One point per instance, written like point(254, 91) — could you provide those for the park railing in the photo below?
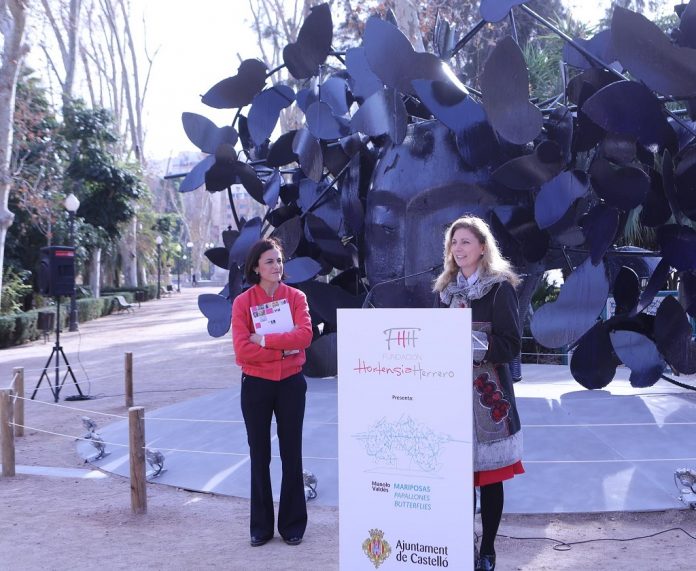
point(12, 424)
point(138, 453)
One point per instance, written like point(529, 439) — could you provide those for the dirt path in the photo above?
point(57, 523)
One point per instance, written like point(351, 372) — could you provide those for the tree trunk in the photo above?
point(95, 271)
point(198, 213)
point(127, 248)
point(13, 15)
point(406, 14)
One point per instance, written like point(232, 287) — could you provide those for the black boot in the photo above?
point(486, 563)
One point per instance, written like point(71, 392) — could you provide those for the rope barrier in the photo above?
point(559, 355)
point(102, 364)
point(209, 452)
point(182, 450)
point(616, 461)
point(82, 410)
point(50, 367)
point(66, 385)
point(213, 453)
point(227, 365)
point(195, 420)
point(305, 423)
point(112, 377)
point(318, 423)
point(601, 398)
point(609, 425)
point(173, 369)
point(84, 439)
point(117, 376)
point(90, 381)
point(50, 371)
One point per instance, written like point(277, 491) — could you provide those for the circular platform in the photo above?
point(585, 451)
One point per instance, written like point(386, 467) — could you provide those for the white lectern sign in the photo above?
point(404, 439)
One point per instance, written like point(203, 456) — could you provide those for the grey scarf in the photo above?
point(466, 292)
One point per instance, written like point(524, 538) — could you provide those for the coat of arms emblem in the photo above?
point(376, 547)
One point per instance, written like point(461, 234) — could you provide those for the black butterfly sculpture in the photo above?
point(395, 146)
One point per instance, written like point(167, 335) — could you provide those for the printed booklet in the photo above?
point(272, 317)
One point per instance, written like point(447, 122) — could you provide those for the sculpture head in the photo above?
point(556, 185)
point(418, 188)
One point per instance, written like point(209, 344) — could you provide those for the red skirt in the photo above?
point(485, 477)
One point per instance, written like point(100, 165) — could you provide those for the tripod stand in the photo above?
point(57, 352)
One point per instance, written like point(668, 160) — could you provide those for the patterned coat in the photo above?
point(498, 439)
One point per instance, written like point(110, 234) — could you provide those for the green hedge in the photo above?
point(151, 291)
point(21, 328)
point(18, 328)
point(91, 308)
point(7, 327)
point(26, 327)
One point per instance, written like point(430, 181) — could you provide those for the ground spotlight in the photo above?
point(89, 424)
point(94, 438)
point(685, 480)
point(310, 485)
point(156, 461)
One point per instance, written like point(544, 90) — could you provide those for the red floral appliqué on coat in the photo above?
point(491, 397)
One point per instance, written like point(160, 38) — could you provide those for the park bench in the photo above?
point(121, 304)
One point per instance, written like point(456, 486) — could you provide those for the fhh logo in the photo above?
point(402, 336)
point(376, 547)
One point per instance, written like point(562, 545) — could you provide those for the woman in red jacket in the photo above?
point(272, 383)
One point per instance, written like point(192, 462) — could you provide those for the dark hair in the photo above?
point(255, 252)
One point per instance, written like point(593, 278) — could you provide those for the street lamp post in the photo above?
point(189, 245)
point(178, 274)
point(158, 241)
point(71, 205)
point(209, 246)
point(177, 249)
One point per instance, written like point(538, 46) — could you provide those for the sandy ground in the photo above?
point(58, 523)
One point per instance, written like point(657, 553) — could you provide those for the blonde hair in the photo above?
point(492, 262)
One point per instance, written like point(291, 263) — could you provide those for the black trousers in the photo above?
point(261, 399)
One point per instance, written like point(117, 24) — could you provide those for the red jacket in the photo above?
point(268, 362)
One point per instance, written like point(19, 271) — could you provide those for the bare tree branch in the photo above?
point(56, 29)
point(52, 65)
point(135, 108)
point(88, 76)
